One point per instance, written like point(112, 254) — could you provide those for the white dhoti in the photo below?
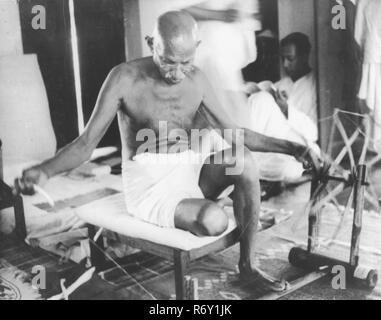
point(154, 184)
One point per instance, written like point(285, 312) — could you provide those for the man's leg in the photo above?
point(206, 217)
point(202, 217)
point(246, 198)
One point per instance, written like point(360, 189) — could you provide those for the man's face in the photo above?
point(174, 59)
point(293, 63)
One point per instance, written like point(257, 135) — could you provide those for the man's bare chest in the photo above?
point(176, 108)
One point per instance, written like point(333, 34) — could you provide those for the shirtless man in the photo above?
point(166, 87)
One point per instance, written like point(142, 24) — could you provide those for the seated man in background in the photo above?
point(287, 109)
point(166, 181)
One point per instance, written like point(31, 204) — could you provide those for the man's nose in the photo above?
point(179, 74)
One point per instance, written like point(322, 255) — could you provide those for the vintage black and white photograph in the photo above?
point(202, 150)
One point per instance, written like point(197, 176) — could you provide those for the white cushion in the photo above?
point(110, 213)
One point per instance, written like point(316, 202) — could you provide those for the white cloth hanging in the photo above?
point(368, 37)
point(25, 125)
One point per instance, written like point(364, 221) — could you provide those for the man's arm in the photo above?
point(203, 14)
point(254, 141)
point(80, 150)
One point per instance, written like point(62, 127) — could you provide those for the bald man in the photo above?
point(166, 182)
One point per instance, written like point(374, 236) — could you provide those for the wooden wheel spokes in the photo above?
point(340, 225)
point(343, 133)
point(370, 195)
point(344, 150)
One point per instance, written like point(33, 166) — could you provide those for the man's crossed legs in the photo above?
point(204, 217)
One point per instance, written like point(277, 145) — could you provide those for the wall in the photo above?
point(298, 16)
point(53, 49)
point(149, 11)
point(330, 45)
point(100, 33)
point(10, 30)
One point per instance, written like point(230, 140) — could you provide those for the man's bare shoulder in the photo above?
point(197, 73)
point(133, 70)
point(199, 78)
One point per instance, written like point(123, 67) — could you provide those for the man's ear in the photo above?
point(149, 42)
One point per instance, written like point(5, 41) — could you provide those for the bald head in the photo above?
point(176, 29)
point(174, 44)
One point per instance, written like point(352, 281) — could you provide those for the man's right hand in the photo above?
point(30, 177)
point(281, 98)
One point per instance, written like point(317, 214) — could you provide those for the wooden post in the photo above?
point(313, 226)
point(181, 261)
point(358, 204)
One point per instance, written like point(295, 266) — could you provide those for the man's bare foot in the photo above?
point(254, 275)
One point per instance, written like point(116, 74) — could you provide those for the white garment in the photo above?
point(302, 98)
point(268, 120)
point(154, 184)
point(230, 45)
point(224, 50)
point(25, 125)
point(368, 37)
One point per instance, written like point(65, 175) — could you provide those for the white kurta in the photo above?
point(368, 36)
point(302, 103)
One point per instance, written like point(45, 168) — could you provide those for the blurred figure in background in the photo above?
point(368, 37)
point(227, 34)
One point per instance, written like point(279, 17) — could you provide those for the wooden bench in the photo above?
point(178, 246)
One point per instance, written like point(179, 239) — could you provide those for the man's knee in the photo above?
point(260, 99)
point(212, 219)
point(263, 105)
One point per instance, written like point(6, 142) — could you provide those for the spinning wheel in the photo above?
point(331, 184)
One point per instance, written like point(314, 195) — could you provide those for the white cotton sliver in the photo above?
point(45, 194)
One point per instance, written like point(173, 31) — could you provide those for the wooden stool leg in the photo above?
point(181, 261)
point(98, 260)
point(20, 226)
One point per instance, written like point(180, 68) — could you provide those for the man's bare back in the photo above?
point(147, 99)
